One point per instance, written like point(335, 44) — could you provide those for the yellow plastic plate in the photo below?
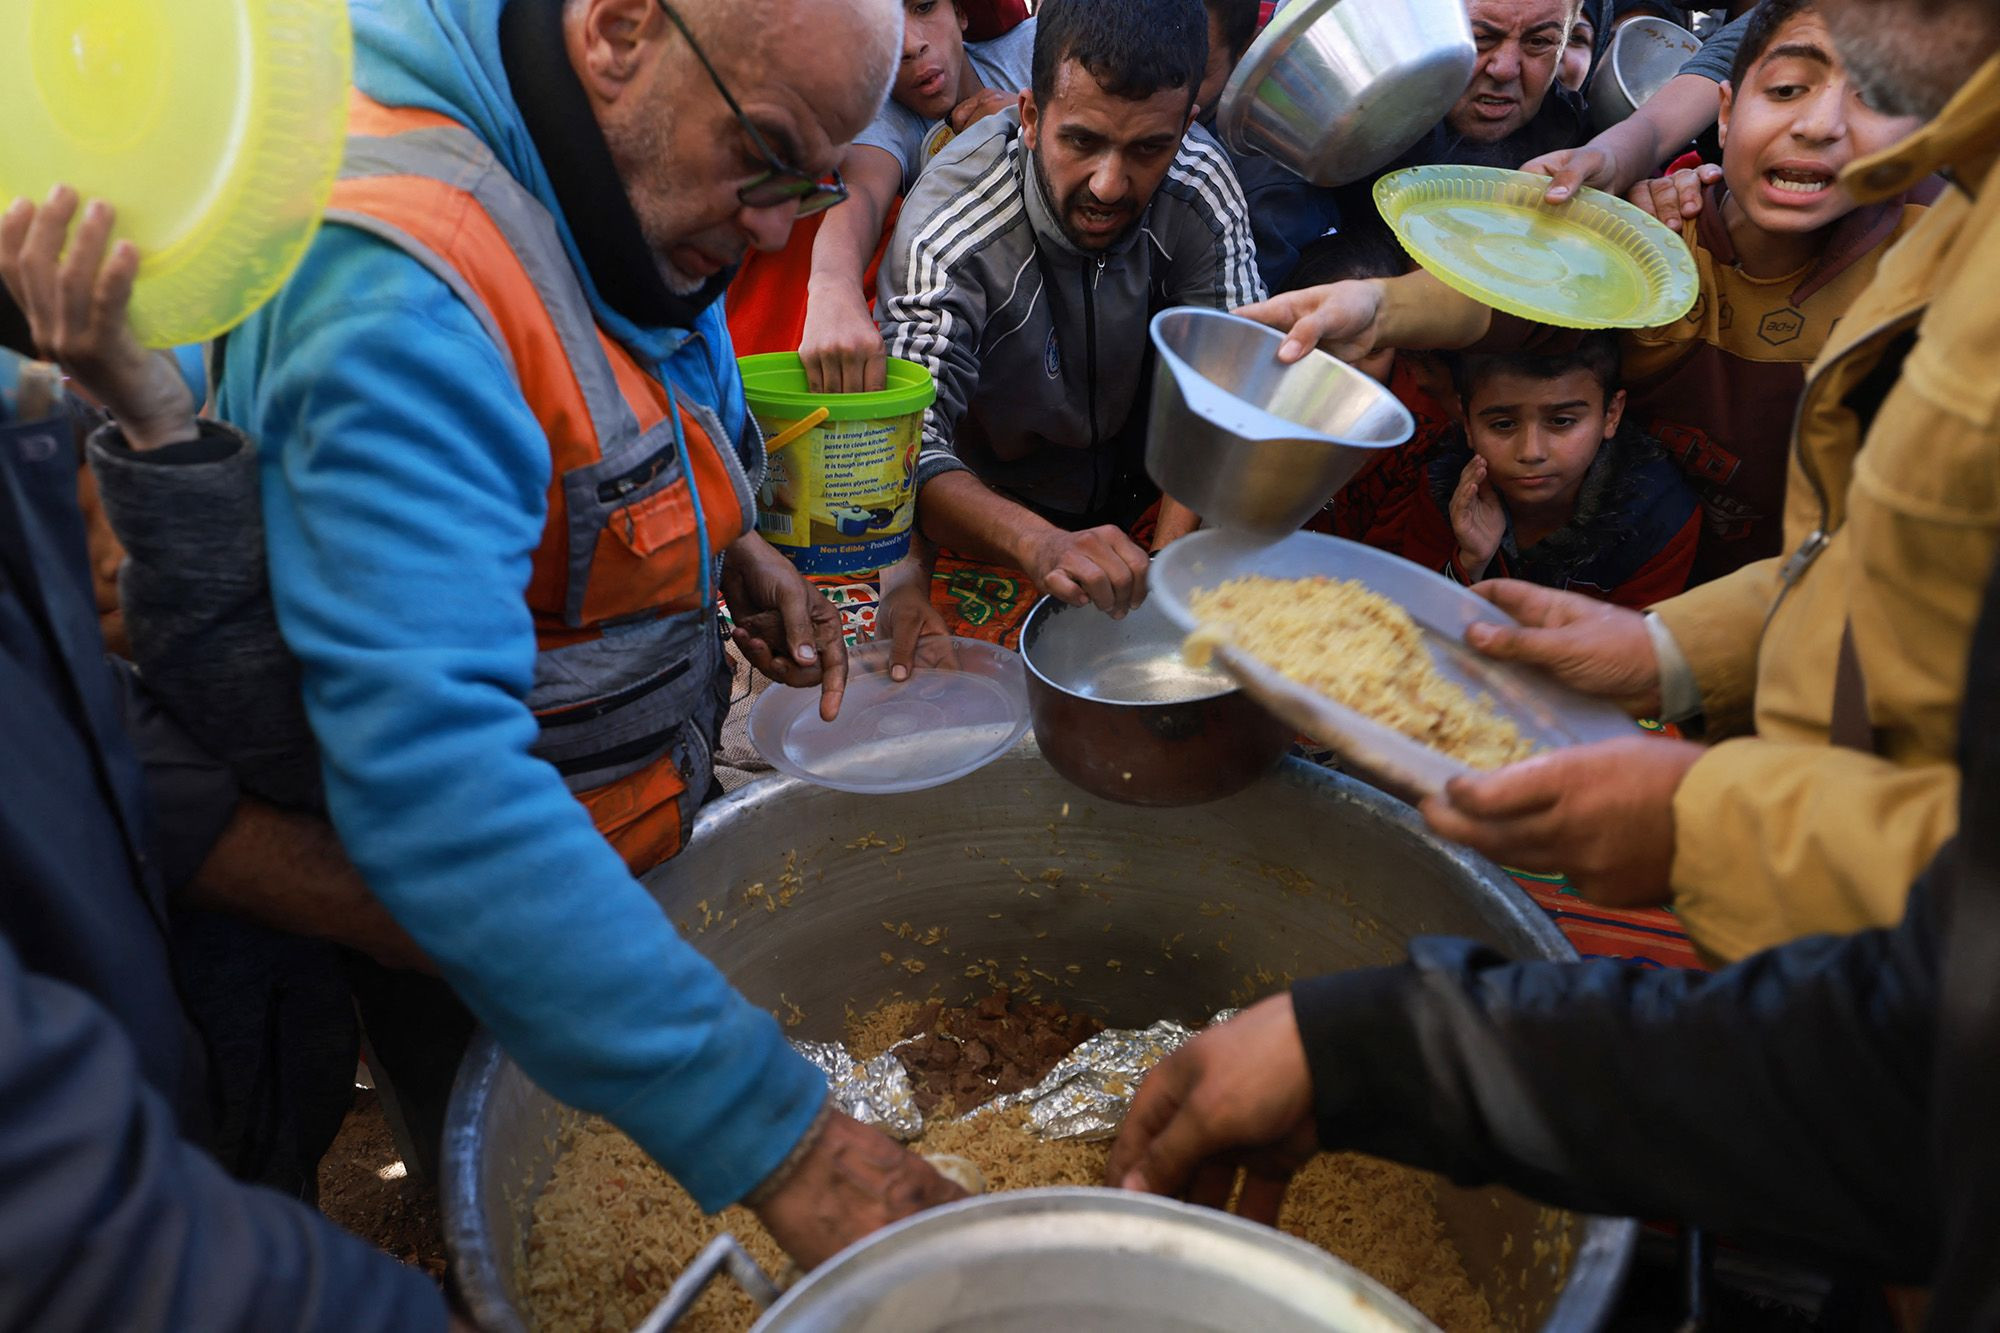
point(214, 126)
point(1595, 262)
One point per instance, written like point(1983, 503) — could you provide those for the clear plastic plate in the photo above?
point(964, 705)
point(1550, 714)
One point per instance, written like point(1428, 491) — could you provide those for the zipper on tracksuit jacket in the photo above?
point(1090, 280)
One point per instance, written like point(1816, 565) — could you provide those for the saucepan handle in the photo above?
point(721, 1255)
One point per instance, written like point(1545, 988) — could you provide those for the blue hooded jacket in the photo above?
point(404, 485)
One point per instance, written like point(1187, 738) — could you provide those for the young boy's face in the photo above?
point(1793, 125)
point(1538, 436)
point(933, 52)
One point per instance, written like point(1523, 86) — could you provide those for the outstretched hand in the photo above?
point(1588, 645)
point(1572, 170)
point(75, 292)
point(785, 627)
point(853, 1180)
point(1339, 317)
point(1237, 1096)
point(1601, 814)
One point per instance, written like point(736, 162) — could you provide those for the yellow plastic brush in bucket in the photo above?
point(840, 491)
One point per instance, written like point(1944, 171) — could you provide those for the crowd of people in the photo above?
point(361, 661)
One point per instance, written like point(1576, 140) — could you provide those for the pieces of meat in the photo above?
point(970, 1054)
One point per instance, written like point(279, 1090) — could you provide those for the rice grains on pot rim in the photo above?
point(1361, 650)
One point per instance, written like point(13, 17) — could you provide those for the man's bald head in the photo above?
point(788, 39)
point(681, 152)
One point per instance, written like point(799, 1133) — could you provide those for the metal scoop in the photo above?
point(1248, 442)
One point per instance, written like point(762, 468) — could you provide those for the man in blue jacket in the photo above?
point(111, 1216)
point(625, 152)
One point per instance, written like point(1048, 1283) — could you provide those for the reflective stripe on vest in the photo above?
point(645, 490)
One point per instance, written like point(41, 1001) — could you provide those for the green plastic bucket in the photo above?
point(840, 491)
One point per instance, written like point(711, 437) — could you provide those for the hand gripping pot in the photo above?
point(1248, 442)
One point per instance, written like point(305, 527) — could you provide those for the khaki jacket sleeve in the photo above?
point(1778, 840)
point(1718, 627)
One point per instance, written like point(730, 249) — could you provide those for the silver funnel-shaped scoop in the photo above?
point(1248, 442)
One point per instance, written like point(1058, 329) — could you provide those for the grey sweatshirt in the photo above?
point(1038, 347)
point(204, 630)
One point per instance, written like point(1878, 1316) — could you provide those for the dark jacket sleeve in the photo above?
point(1782, 1101)
point(1286, 215)
point(109, 1220)
point(197, 603)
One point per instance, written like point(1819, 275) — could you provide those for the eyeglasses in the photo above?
point(780, 181)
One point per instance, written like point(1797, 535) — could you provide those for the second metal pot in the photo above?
point(1120, 713)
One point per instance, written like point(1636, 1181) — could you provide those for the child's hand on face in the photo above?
point(1478, 518)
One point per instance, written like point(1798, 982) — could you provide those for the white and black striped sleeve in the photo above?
point(932, 296)
point(1221, 271)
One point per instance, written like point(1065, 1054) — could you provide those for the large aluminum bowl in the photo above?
point(1248, 442)
point(1334, 89)
point(1201, 908)
point(1644, 54)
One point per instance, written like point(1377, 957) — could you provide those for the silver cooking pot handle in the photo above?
point(723, 1254)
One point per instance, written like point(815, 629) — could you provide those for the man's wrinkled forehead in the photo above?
point(1519, 18)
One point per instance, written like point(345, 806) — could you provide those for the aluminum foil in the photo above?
point(1085, 1096)
point(1088, 1092)
point(875, 1092)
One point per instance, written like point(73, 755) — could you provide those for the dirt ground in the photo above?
point(363, 1188)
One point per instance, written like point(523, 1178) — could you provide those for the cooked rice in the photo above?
point(611, 1229)
point(1361, 650)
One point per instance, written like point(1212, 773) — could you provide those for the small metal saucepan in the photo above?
point(1120, 713)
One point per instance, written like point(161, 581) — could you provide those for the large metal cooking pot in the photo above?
point(1248, 442)
point(1118, 710)
point(1333, 89)
point(1199, 908)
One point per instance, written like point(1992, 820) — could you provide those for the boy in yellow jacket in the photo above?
point(1844, 659)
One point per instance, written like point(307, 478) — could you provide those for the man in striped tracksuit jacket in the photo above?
point(1029, 258)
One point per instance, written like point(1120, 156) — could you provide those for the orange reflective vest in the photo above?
point(645, 491)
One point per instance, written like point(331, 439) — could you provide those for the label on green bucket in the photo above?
point(840, 498)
